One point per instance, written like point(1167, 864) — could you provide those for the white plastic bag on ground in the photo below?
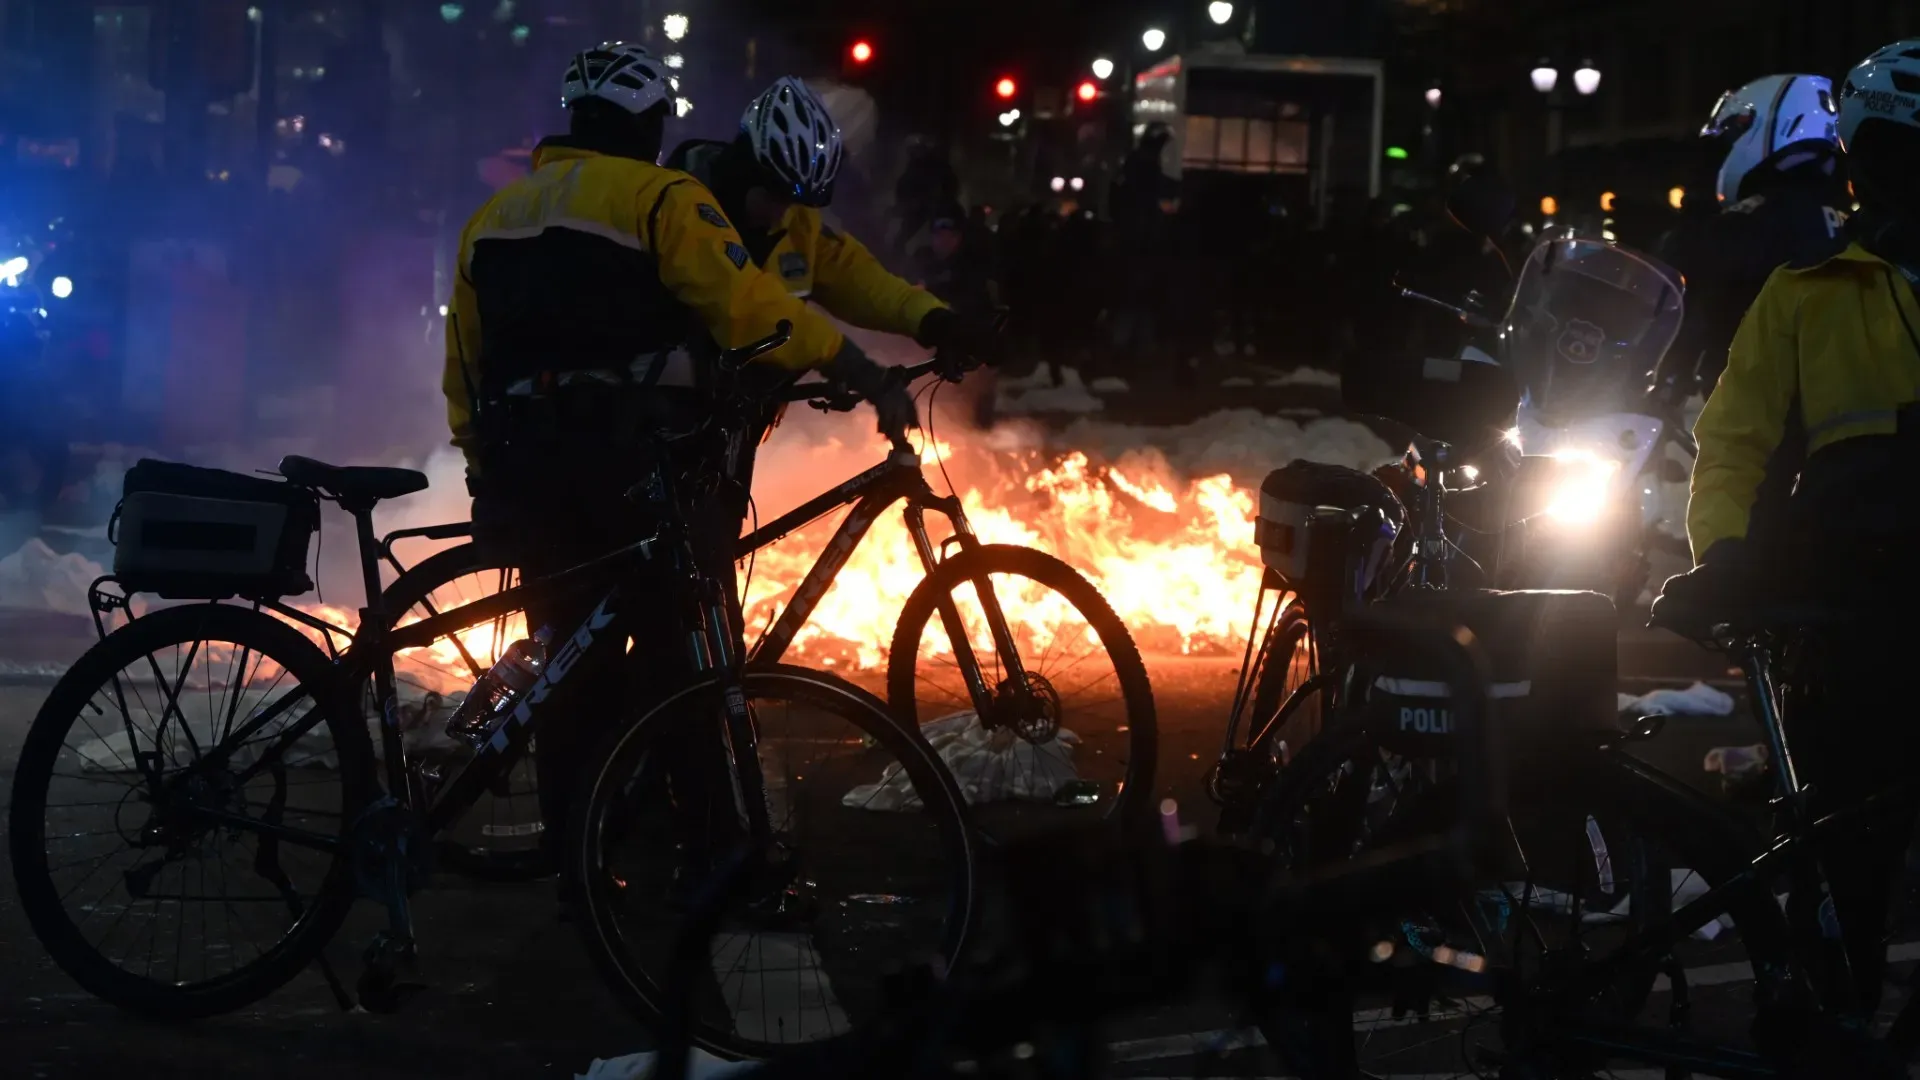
point(988, 766)
point(1696, 700)
point(701, 1066)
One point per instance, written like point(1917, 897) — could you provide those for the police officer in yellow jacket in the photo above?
point(591, 298)
point(1822, 379)
point(772, 188)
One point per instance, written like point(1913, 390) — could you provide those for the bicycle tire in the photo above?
point(416, 584)
point(1271, 685)
point(1136, 796)
point(39, 898)
point(640, 991)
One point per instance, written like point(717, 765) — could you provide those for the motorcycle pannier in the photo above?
point(1290, 500)
point(188, 533)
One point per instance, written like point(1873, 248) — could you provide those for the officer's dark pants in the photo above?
point(558, 515)
point(1854, 733)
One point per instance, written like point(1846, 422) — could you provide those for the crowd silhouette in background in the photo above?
point(1194, 280)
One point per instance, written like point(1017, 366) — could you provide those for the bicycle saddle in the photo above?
point(352, 482)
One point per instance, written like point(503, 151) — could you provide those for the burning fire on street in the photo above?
point(1173, 554)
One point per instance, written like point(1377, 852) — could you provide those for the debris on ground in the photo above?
point(700, 1066)
point(989, 766)
point(1696, 700)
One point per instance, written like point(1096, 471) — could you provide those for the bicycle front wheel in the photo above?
point(873, 865)
point(1047, 727)
point(181, 811)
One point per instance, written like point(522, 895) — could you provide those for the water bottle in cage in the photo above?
point(492, 699)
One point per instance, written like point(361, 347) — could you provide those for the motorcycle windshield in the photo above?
point(1589, 321)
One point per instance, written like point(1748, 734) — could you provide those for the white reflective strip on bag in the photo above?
point(1427, 688)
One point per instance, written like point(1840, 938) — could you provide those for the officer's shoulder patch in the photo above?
point(711, 216)
point(737, 255)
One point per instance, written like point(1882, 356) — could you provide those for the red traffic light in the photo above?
point(1006, 87)
point(1086, 91)
point(861, 52)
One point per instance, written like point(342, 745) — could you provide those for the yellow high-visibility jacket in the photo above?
point(1839, 339)
point(594, 259)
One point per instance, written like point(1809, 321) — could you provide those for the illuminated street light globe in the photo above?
point(1103, 68)
point(675, 26)
point(1545, 77)
point(1154, 39)
point(1219, 11)
point(1586, 79)
point(1433, 97)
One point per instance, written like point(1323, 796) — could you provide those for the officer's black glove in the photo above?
point(965, 336)
point(1691, 603)
point(892, 403)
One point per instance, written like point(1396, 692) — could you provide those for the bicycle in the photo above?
point(1061, 695)
point(367, 831)
point(1102, 923)
point(1330, 751)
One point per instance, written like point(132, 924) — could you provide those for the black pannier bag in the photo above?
point(1327, 530)
point(1553, 664)
point(188, 533)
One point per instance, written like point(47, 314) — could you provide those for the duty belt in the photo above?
point(670, 368)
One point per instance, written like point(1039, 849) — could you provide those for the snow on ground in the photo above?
point(1307, 376)
point(1036, 393)
point(1244, 443)
point(36, 579)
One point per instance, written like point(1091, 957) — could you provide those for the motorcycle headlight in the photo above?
point(1582, 488)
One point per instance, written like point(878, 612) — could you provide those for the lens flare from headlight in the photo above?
point(1581, 493)
point(1511, 437)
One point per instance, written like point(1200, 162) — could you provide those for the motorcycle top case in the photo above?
point(188, 533)
point(1553, 666)
point(1293, 529)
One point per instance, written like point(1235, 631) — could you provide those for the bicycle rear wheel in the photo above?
point(876, 864)
point(500, 837)
point(1077, 740)
point(164, 875)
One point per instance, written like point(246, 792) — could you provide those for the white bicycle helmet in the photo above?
point(1880, 125)
point(795, 141)
point(627, 75)
point(1764, 118)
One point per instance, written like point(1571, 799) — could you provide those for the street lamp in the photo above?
point(1009, 118)
point(1433, 97)
point(1102, 68)
point(1586, 78)
point(1545, 77)
point(1154, 39)
point(675, 26)
point(1219, 11)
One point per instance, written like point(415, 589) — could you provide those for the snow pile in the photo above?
point(37, 579)
point(1696, 700)
point(1036, 393)
point(1307, 376)
point(989, 766)
point(1244, 443)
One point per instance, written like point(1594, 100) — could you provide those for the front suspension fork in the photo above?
point(1013, 670)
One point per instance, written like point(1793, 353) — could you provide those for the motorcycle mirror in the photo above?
point(1482, 204)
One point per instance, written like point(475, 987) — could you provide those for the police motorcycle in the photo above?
point(1584, 490)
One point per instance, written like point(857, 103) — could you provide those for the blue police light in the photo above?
point(62, 287)
point(11, 270)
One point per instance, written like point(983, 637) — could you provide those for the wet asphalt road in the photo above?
point(509, 991)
